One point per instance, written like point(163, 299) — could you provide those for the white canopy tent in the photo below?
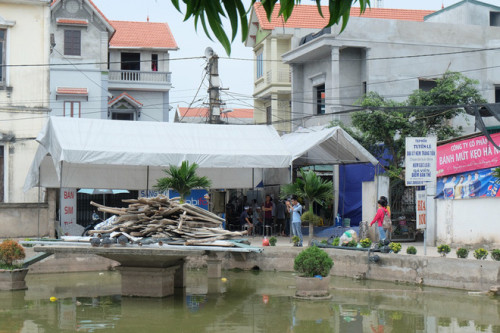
point(131, 155)
point(319, 145)
point(95, 153)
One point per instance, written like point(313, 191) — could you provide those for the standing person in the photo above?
point(379, 218)
point(267, 208)
point(295, 210)
point(386, 203)
point(280, 216)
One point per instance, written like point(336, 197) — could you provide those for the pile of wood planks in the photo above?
point(161, 217)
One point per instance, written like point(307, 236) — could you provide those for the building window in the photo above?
point(2, 56)
point(122, 115)
point(497, 94)
point(72, 42)
point(320, 99)
point(495, 19)
point(426, 84)
point(72, 109)
point(269, 115)
point(130, 61)
point(260, 65)
point(154, 62)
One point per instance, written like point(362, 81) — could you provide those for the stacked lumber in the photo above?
point(164, 218)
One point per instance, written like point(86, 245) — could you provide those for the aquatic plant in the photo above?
point(313, 261)
point(480, 254)
point(395, 247)
point(443, 249)
point(10, 251)
point(411, 250)
point(495, 254)
point(365, 243)
point(272, 241)
point(462, 252)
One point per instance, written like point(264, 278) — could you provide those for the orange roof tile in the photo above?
point(72, 21)
point(142, 34)
point(71, 91)
point(307, 16)
point(122, 95)
point(202, 112)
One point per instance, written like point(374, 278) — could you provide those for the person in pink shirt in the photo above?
point(379, 218)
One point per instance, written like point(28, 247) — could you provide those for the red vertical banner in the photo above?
point(421, 209)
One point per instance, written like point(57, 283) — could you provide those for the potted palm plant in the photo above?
point(313, 189)
point(313, 265)
point(182, 179)
point(12, 274)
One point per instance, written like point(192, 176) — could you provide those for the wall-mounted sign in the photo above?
point(420, 161)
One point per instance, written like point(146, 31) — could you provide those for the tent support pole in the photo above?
point(38, 204)
point(60, 198)
point(253, 176)
point(147, 181)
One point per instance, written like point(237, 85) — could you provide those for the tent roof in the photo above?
point(318, 145)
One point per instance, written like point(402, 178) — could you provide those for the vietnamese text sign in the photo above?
point(68, 209)
point(420, 158)
point(467, 155)
point(421, 209)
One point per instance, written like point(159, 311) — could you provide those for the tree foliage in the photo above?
point(310, 187)
point(211, 13)
point(385, 123)
point(182, 179)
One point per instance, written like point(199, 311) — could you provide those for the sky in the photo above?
point(236, 71)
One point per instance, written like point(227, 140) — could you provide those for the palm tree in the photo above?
point(182, 179)
point(312, 188)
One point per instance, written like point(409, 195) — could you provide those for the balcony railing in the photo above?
point(281, 76)
point(138, 76)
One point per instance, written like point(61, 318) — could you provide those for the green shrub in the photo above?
point(336, 241)
point(495, 254)
point(272, 241)
point(351, 243)
point(313, 261)
point(295, 240)
point(310, 217)
point(395, 247)
point(480, 254)
point(365, 243)
point(324, 241)
point(462, 252)
point(411, 250)
point(443, 249)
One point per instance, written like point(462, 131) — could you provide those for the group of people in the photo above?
point(256, 217)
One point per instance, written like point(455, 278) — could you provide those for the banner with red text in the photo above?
point(467, 155)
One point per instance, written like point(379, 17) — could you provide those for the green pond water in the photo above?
point(245, 302)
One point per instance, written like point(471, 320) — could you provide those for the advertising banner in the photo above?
point(420, 161)
point(466, 185)
point(467, 155)
point(68, 211)
point(197, 198)
point(421, 209)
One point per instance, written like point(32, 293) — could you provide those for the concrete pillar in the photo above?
point(214, 267)
point(180, 274)
point(335, 83)
point(147, 281)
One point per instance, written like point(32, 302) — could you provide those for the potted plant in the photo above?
point(312, 188)
point(480, 254)
point(462, 252)
point(411, 250)
point(443, 249)
point(365, 243)
point(272, 241)
point(395, 247)
point(495, 254)
point(12, 274)
point(313, 265)
point(336, 241)
point(295, 240)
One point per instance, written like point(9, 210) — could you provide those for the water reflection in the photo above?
point(245, 302)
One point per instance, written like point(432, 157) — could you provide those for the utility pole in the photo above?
point(213, 86)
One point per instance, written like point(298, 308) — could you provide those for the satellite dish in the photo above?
point(209, 52)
